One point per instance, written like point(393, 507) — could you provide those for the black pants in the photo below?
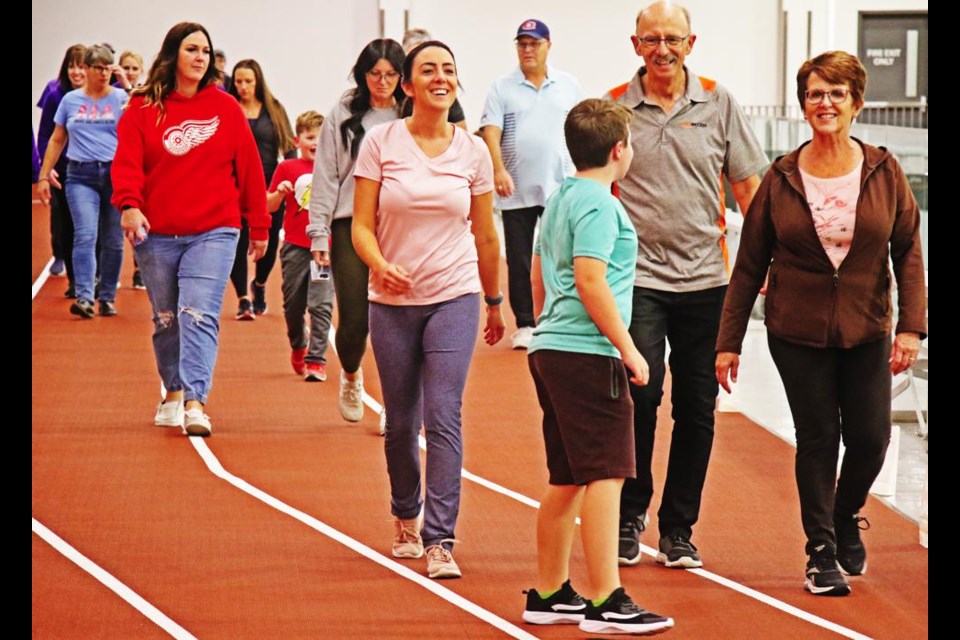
point(518, 228)
point(834, 394)
point(350, 278)
point(61, 229)
point(238, 275)
point(690, 321)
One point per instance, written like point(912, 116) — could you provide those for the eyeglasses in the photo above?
point(672, 41)
point(836, 95)
point(377, 76)
point(99, 68)
point(533, 45)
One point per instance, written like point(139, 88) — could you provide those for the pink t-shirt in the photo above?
point(833, 202)
point(423, 219)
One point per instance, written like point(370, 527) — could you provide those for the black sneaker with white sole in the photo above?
point(628, 553)
point(619, 614)
point(851, 554)
point(823, 577)
point(566, 606)
point(677, 552)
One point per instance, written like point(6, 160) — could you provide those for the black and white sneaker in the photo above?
point(619, 614)
point(851, 554)
point(677, 552)
point(823, 577)
point(630, 530)
point(566, 606)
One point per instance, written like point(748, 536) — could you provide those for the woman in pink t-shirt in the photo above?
point(423, 223)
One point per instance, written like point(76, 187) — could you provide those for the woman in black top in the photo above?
point(271, 129)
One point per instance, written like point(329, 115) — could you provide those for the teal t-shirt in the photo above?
point(582, 219)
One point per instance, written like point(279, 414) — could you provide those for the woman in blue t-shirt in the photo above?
point(87, 117)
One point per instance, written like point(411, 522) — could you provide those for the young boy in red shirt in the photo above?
point(304, 290)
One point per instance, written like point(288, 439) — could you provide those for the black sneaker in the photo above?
point(619, 614)
point(677, 552)
point(82, 308)
point(630, 530)
point(823, 577)
point(107, 308)
point(851, 554)
point(138, 280)
point(245, 310)
point(566, 606)
point(71, 292)
point(259, 297)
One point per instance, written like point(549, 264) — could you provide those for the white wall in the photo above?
point(835, 25)
point(306, 47)
point(737, 42)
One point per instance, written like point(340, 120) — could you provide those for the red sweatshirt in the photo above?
point(196, 170)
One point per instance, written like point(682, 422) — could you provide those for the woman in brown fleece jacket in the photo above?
point(827, 221)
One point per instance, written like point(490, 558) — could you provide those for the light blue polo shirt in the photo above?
point(532, 146)
point(582, 219)
point(91, 124)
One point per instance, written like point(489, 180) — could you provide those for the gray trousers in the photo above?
point(301, 295)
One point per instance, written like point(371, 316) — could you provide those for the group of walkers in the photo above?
point(389, 210)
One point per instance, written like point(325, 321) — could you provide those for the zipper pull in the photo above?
point(836, 279)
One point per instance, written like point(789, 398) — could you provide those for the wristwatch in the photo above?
point(493, 301)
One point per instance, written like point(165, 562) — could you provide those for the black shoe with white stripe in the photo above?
point(823, 577)
point(566, 606)
point(619, 614)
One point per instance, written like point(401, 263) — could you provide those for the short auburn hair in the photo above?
point(836, 67)
point(593, 127)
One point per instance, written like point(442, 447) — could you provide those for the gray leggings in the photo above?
point(350, 277)
point(423, 354)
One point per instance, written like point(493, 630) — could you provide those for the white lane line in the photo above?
point(122, 590)
point(747, 591)
point(41, 279)
point(213, 464)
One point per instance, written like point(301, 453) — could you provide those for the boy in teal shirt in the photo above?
point(582, 277)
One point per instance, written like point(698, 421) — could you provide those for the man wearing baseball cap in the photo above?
point(522, 124)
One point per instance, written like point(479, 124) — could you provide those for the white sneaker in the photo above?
point(521, 338)
point(351, 397)
point(196, 423)
point(169, 414)
point(383, 422)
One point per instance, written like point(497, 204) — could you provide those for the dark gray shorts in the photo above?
point(587, 416)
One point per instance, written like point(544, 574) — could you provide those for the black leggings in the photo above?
point(238, 275)
point(350, 279)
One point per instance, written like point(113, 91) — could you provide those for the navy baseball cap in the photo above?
point(534, 29)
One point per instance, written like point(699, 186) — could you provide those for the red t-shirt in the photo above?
point(295, 219)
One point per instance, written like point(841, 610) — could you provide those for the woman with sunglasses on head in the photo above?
point(374, 100)
point(187, 171)
point(827, 221)
point(271, 129)
point(423, 224)
point(87, 118)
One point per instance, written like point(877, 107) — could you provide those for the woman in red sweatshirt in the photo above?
point(185, 173)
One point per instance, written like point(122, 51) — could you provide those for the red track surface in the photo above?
point(140, 502)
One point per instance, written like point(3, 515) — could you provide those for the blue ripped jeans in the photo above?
point(185, 278)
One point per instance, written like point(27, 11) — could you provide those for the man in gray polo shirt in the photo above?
point(522, 125)
point(687, 133)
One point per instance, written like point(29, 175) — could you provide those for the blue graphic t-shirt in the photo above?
point(91, 124)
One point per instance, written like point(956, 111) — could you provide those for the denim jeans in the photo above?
point(690, 321)
point(185, 278)
point(423, 354)
point(89, 189)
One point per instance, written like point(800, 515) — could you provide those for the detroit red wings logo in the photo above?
point(180, 139)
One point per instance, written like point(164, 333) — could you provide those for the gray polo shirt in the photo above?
point(673, 190)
